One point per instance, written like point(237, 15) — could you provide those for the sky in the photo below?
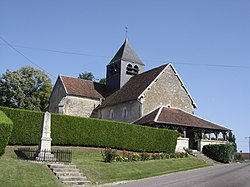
point(208, 43)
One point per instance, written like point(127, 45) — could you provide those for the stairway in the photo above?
point(69, 174)
point(203, 157)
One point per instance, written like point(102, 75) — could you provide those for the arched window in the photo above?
point(136, 69)
point(111, 114)
point(129, 69)
point(124, 112)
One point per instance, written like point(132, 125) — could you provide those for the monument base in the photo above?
point(45, 156)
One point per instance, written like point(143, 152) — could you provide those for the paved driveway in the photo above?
point(227, 175)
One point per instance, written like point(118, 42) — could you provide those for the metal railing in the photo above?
point(44, 155)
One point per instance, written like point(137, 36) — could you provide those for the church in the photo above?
point(156, 98)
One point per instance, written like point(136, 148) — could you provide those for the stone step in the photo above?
point(72, 178)
point(203, 157)
point(71, 173)
point(53, 166)
point(65, 170)
point(77, 183)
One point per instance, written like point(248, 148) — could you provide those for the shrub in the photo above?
point(145, 156)
point(6, 126)
point(109, 155)
point(219, 152)
point(26, 126)
point(70, 130)
point(238, 157)
point(78, 131)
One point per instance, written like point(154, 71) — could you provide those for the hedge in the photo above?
point(69, 130)
point(26, 126)
point(78, 131)
point(219, 152)
point(6, 126)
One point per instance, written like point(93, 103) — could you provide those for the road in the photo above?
point(227, 175)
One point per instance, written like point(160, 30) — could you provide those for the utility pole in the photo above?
point(248, 147)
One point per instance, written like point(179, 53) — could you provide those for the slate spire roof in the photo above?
point(178, 117)
point(126, 53)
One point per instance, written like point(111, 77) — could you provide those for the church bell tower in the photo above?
point(124, 65)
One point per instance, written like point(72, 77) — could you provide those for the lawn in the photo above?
point(19, 173)
point(15, 172)
point(89, 160)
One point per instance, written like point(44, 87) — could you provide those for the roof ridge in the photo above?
point(158, 113)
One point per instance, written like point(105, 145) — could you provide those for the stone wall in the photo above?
point(203, 142)
point(77, 106)
point(167, 90)
point(132, 112)
point(57, 95)
point(182, 144)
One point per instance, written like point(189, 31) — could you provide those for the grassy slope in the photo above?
point(15, 172)
point(18, 173)
point(89, 160)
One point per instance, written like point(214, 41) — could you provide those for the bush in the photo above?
point(69, 130)
point(6, 126)
point(109, 155)
point(78, 131)
point(219, 152)
point(26, 126)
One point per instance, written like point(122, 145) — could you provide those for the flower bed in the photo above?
point(113, 155)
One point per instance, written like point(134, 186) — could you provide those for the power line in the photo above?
point(25, 56)
point(146, 60)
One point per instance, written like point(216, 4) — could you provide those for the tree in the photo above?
point(102, 81)
point(86, 76)
point(26, 88)
point(232, 140)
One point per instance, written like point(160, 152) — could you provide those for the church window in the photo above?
point(113, 69)
point(132, 70)
point(136, 69)
point(129, 69)
point(124, 112)
point(111, 115)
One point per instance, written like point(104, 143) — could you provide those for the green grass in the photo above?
point(20, 173)
point(15, 172)
point(90, 161)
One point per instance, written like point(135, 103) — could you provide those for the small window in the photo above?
point(124, 112)
point(113, 69)
point(111, 115)
point(136, 69)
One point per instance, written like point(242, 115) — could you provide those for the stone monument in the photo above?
point(44, 149)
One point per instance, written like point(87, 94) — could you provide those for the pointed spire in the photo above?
point(126, 53)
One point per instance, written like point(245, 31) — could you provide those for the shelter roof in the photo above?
point(171, 116)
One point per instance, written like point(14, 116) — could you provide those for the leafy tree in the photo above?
point(86, 76)
point(102, 81)
point(26, 88)
point(232, 139)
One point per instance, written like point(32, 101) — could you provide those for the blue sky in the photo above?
point(208, 42)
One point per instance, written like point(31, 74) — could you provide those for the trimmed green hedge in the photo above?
point(219, 152)
point(78, 131)
point(5, 130)
point(27, 126)
point(69, 130)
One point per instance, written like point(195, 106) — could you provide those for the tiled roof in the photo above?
point(83, 88)
point(126, 53)
point(165, 115)
point(133, 88)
